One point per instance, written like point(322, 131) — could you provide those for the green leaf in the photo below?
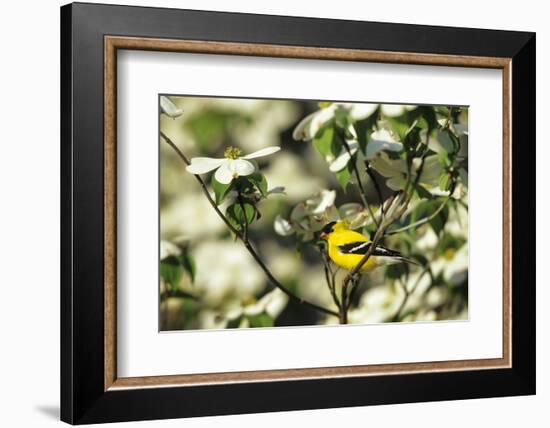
point(244, 214)
point(438, 222)
point(444, 182)
point(422, 193)
point(189, 265)
point(171, 271)
point(344, 176)
point(427, 208)
point(190, 310)
point(324, 140)
point(234, 323)
point(420, 258)
point(259, 181)
point(396, 271)
point(341, 118)
point(399, 127)
point(428, 117)
point(173, 267)
point(210, 127)
point(450, 242)
point(445, 140)
point(233, 221)
point(260, 320)
point(220, 190)
point(412, 137)
point(364, 129)
point(444, 159)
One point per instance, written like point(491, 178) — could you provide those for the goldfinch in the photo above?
point(346, 248)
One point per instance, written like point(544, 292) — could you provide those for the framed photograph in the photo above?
point(265, 213)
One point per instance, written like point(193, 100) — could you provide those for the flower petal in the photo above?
point(282, 226)
point(383, 135)
point(204, 165)
point(374, 146)
point(396, 183)
point(298, 213)
point(263, 152)
point(359, 111)
point(431, 170)
point(461, 129)
point(169, 108)
point(167, 248)
point(234, 168)
point(394, 110)
point(242, 167)
point(350, 209)
point(388, 167)
point(382, 140)
point(344, 157)
point(224, 174)
point(274, 302)
point(277, 190)
point(310, 125)
point(321, 202)
point(301, 132)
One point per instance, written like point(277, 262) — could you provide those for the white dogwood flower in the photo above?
point(397, 173)
point(345, 155)
point(312, 123)
point(382, 140)
point(168, 248)
point(310, 216)
point(232, 166)
point(169, 108)
point(394, 110)
point(272, 304)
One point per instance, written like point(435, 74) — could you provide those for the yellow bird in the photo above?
point(346, 248)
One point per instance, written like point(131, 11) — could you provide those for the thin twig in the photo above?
point(246, 242)
point(368, 169)
point(343, 317)
point(354, 287)
point(408, 293)
point(178, 293)
point(329, 277)
point(245, 223)
point(362, 193)
point(421, 221)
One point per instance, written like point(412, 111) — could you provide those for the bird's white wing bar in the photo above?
point(362, 247)
point(354, 248)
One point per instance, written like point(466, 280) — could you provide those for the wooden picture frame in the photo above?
point(91, 390)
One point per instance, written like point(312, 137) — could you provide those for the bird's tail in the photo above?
point(403, 259)
point(411, 261)
point(392, 256)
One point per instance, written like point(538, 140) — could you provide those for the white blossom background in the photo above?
point(230, 286)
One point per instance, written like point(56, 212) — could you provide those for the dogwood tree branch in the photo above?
point(422, 220)
point(362, 192)
point(245, 240)
point(330, 277)
point(368, 169)
point(408, 293)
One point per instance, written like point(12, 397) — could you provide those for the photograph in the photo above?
point(280, 213)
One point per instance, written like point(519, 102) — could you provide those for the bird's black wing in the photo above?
point(362, 248)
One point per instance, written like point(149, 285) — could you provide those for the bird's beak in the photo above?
point(323, 236)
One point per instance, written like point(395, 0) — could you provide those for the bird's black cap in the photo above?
point(327, 228)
